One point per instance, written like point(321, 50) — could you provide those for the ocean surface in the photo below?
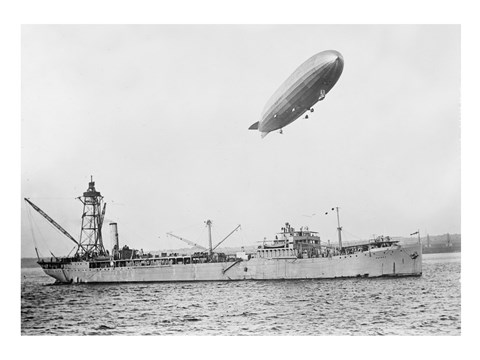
point(426, 305)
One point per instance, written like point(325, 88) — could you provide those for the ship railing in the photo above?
point(174, 259)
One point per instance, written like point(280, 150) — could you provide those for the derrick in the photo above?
point(51, 221)
point(211, 248)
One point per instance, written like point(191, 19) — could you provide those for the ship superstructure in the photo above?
point(292, 254)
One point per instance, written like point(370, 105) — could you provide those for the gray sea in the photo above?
point(426, 305)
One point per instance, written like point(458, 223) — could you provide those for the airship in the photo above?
point(308, 84)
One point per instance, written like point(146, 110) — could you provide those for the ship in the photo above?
point(293, 254)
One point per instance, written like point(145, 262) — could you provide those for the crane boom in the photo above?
point(226, 237)
point(102, 216)
point(53, 222)
point(100, 223)
point(188, 241)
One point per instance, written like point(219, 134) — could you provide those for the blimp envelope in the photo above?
point(308, 84)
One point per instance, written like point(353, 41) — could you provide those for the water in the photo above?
point(427, 305)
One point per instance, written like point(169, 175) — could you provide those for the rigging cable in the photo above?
point(30, 220)
point(39, 231)
point(353, 235)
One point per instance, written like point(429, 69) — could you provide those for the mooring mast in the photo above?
point(91, 243)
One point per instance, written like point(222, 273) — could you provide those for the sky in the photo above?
point(158, 115)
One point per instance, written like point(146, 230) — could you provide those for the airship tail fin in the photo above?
point(263, 134)
point(254, 126)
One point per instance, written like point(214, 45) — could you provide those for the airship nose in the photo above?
point(335, 60)
point(335, 57)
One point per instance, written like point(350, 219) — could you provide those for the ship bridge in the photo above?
point(292, 243)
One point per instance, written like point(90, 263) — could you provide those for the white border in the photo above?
point(207, 11)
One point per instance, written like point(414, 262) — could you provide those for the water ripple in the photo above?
point(427, 305)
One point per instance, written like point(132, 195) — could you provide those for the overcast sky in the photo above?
point(159, 116)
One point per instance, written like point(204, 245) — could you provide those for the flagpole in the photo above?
point(417, 233)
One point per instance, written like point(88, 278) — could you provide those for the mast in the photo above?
point(91, 243)
point(339, 228)
point(210, 249)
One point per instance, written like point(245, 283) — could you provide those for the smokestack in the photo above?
point(114, 237)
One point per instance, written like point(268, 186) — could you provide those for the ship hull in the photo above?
point(394, 261)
